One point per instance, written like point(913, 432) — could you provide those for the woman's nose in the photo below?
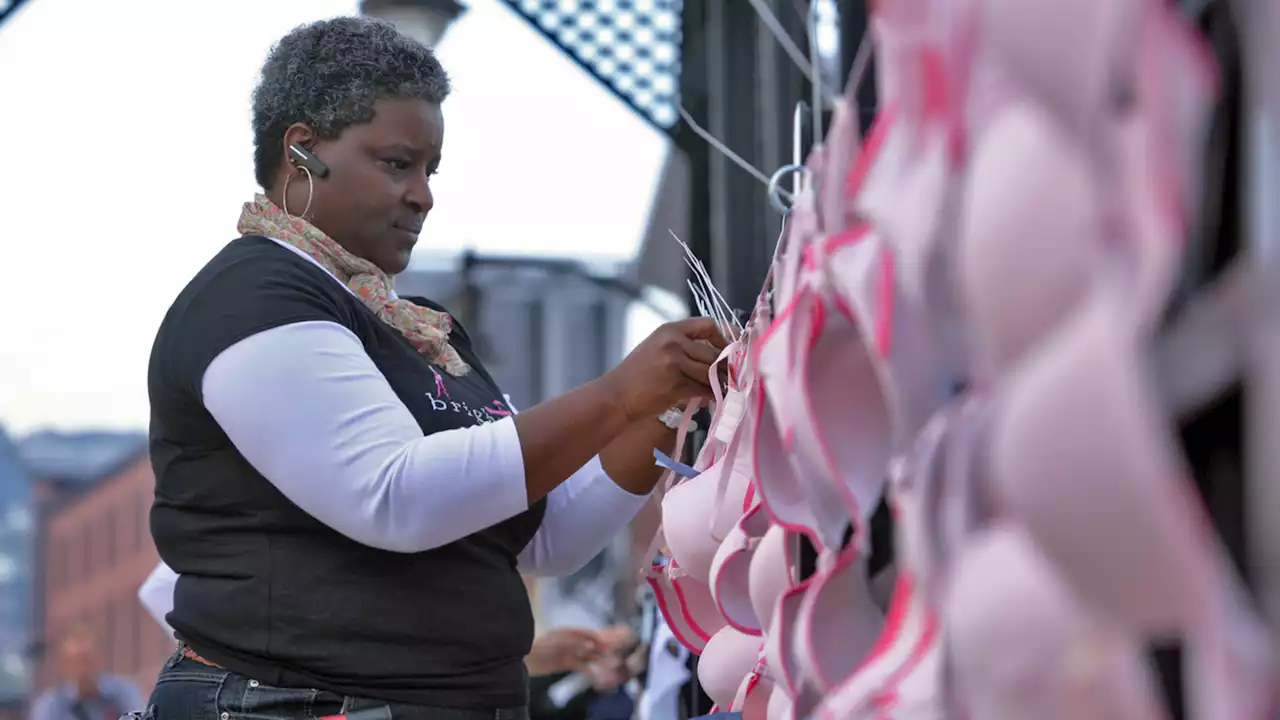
point(418, 194)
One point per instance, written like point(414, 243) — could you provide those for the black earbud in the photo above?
point(299, 155)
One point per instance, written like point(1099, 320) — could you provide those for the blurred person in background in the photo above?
point(346, 496)
point(596, 691)
point(84, 693)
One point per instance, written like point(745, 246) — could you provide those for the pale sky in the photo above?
point(125, 153)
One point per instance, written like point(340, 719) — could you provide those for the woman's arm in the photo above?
point(156, 594)
point(629, 458)
point(305, 405)
point(603, 496)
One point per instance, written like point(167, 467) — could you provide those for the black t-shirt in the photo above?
point(270, 592)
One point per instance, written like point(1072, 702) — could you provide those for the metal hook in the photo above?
point(775, 181)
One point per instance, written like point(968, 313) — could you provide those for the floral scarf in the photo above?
point(426, 329)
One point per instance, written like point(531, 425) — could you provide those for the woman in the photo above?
point(344, 492)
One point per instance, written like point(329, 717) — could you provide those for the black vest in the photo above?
point(268, 591)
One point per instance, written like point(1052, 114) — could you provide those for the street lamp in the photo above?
point(423, 20)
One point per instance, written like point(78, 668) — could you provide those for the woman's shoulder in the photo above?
point(257, 272)
point(258, 260)
point(250, 286)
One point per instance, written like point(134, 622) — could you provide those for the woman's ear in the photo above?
point(300, 134)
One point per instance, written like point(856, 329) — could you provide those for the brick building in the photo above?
point(93, 551)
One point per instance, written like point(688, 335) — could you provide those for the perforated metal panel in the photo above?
point(632, 46)
point(8, 8)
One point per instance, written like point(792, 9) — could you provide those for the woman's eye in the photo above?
point(396, 164)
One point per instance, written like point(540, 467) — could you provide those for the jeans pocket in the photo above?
point(252, 699)
point(186, 693)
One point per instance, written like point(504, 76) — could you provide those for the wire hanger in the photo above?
point(727, 152)
point(809, 67)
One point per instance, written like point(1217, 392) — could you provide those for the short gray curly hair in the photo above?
point(328, 74)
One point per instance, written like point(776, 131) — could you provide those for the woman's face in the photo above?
point(377, 194)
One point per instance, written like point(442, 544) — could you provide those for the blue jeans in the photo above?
point(189, 690)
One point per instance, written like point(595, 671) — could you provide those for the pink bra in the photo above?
point(698, 513)
point(1012, 220)
point(731, 568)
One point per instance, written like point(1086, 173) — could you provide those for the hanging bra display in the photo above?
point(1015, 220)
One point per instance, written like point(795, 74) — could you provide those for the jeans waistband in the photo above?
point(239, 695)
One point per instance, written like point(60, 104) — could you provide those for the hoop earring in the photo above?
point(310, 190)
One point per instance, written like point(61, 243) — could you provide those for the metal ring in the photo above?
point(776, 179)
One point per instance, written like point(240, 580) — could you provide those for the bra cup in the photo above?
point(728, 658)
point(840, 427)
point(904, 195)
point(941, 308)
point(1031, 37)
point(730, 571)
point(846, 416)
point(776, 483)
point(781, 656)
point(770, 572)
point(909, 637)
point(1020, 646)
point(842, 148)
point(734, 504)
point(839, 623)
point(672, 610)
point(888, 48)
point(868, 277)
point(780, 706)
point(1076, 442)
point(1030, 231)
point(914, 374)
point(699, 608)
point(917, 489)
point(685, 512)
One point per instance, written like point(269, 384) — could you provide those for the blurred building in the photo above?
point(93, 550)
point(16, 529)
point(542, 326)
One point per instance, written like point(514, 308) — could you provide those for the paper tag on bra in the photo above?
point(661, 459)
point(732, 409)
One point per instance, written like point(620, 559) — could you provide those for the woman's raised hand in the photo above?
point(669, 367)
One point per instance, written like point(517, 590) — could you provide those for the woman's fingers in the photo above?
point(700, 350)
point(701, 328)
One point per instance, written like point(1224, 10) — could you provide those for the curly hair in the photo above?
point(328, 74)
